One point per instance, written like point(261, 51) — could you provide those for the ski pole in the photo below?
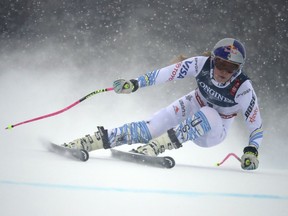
point(228, 156)
point(62, 110)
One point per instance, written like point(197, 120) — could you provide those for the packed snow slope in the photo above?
point(34, 181)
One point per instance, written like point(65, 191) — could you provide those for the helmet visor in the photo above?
point(222, 64)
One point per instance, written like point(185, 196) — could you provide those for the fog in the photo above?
point(54, 53)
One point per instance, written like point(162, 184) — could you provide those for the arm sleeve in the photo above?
point(189, 67)
point(248, 102)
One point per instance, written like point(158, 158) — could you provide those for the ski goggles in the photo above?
point(222, 64)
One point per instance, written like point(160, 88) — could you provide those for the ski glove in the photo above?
point(122, 86)
point(249, 159)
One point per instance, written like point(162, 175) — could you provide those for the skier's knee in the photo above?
point(212, 116)
point(217, 132)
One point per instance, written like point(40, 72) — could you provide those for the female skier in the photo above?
point(202, 116)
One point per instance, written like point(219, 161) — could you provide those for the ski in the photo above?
point(80, 154)
point(162, 162)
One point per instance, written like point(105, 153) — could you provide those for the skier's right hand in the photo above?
point(122, 86)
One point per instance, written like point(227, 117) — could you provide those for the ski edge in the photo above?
point(161, 162)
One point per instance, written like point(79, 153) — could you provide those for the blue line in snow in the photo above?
point(143, 191)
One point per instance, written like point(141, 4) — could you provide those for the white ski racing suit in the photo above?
point(235, 96)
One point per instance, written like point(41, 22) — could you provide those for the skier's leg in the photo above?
point(173, 114)
point(139, 132)
point(205, 122)
point(130, 133)
point(205, 128)
point(160, 122)
point(215, 136)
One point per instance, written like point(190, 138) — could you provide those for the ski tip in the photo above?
point(169, 162)
point(79, 154)
point(85, 155)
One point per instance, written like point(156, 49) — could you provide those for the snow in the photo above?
point(34, 181)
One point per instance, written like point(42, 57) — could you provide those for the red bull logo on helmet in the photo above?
point(231, 49)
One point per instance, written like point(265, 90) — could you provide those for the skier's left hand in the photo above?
point(249, 160)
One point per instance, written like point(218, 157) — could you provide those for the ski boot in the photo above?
point(158, 145)
point(91, 142)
